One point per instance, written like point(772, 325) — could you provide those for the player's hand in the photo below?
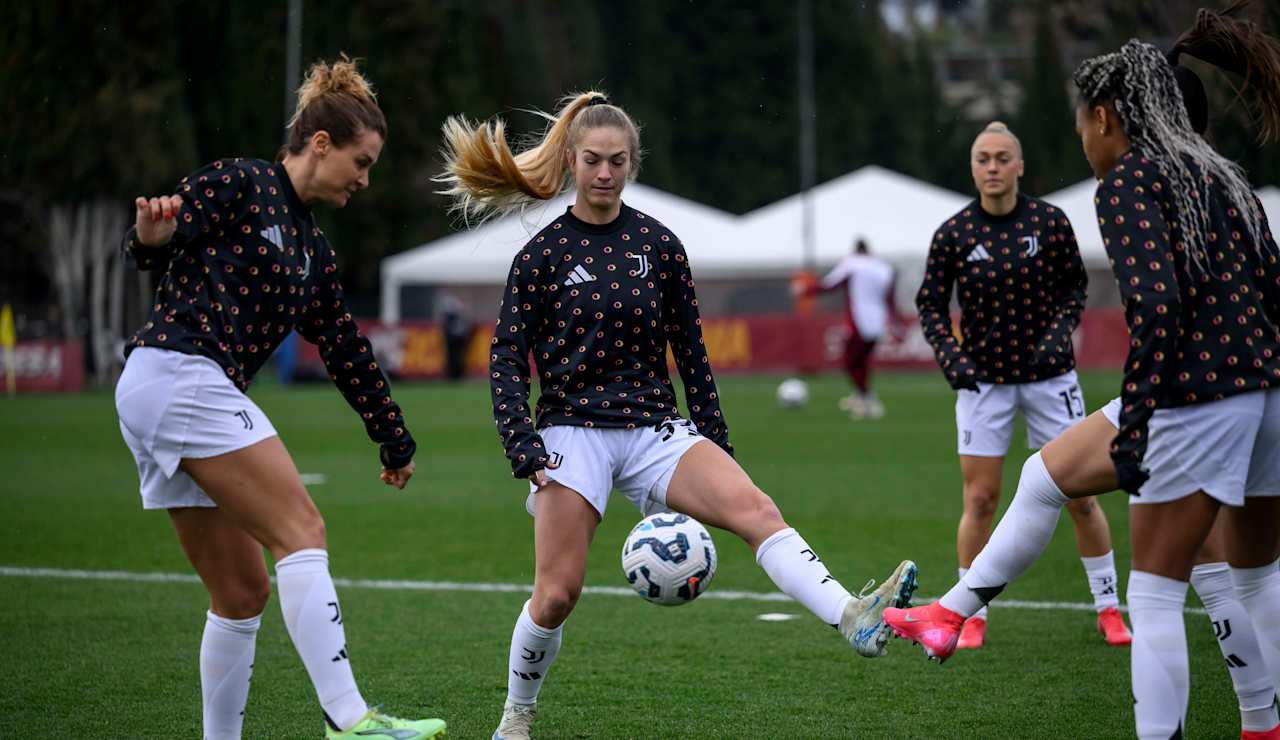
point(156, 219)
point(539, 476)
point(399, 476)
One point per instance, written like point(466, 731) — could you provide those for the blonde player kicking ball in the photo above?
point(244, 265)
point(1013, 261)
point(596, 297)
point(1195, 435)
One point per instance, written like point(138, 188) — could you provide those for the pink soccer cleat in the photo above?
point(1112, 627)
point(973, 635)
point(934, 627)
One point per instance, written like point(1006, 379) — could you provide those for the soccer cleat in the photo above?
point(874, 408)
point(1272, 734)
point(517, 719)
point(973, 634)
point(1112, 627)
point(375, 724)
point(933, 626)
point(862, 622)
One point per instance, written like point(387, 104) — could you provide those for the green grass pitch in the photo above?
point(112, 658)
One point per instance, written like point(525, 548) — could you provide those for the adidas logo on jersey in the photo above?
point(274, 235)
point(979, 253)
point(578, 275)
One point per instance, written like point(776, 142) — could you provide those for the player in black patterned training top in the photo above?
point(1196, 429)
point(1021, 285)
point(244, 265)
point(597, 297)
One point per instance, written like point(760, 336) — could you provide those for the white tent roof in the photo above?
point(896, 214)
point(482, 256)
point(1077, 201)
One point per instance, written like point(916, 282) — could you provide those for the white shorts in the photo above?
point(984, 419)
point(174, 406)
point(1230, 449)
point(638, 462)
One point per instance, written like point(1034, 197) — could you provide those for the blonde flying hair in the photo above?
point(338, 99)
point(482, 176)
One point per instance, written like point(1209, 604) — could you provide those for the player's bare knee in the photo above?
point(242, 600)
point(554, 605)
point(981, 501)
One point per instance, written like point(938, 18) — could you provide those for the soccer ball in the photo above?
point(793, 393)
point(669, 558)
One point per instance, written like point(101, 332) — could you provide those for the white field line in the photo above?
point(399, 585)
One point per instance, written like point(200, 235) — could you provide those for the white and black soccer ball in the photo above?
point(793, 393)
point(669, 558)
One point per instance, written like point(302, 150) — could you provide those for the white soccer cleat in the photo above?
point(517, 720)
point(862, 623)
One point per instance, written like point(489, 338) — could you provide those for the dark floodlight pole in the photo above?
point(293, 58)
point(808, 143)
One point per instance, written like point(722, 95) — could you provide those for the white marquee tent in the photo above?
point(482, 256)
point(895, 213)
point(1077, 201)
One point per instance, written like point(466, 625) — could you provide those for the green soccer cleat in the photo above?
point(377, 725)
point(862, 623)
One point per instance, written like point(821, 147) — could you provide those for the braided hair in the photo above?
point(1140, 84)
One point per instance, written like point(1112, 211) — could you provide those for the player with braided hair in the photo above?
point(1198, 418)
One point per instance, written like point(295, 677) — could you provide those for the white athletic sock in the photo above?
point(314, 621)
point(1022, 534)
point(1258, 590)
point(1101, 572)
point(533, 650)
point(1234, 630)
point(1160, 676)
point(981, 613)
point(798, 572)
point(226, 665)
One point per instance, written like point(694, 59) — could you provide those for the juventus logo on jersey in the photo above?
point(579, 275)
point(274, 235)
point(1033, 245)
point(643, 261)
point(978, 254)
point(306, 268)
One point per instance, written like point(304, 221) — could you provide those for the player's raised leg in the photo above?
point(710, 486)
point(1077, 462)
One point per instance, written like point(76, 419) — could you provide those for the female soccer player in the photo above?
point(1196, 430)
point(1021, 288)
point(244, 265)
point(596, 297)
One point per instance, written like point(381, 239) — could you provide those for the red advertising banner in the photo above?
point(47, 366)
point(770, 343)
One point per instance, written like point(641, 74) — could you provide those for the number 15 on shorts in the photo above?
point(1073, 401)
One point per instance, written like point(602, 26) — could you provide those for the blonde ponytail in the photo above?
point(484, 178)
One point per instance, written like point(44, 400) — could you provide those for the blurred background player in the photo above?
point(1021, 289)
point(244, 265)
point(1195, 433)
point(869, 305)
point(596, 297)
point(456, 326)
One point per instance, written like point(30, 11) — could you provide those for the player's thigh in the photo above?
point(1079, 460)
point(564, 523)
point(1166, 536)
point(1051, 407)
point(1252, 537)
point(984, 420)
point(711, 487)
point(228, 560)
point(260, 490)
point(1214, 547)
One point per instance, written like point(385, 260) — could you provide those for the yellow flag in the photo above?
point(8, 335)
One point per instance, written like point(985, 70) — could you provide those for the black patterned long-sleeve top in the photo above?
point(1194, 335)
point(1021, 288)
point(597, 306)
point(246, 266)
